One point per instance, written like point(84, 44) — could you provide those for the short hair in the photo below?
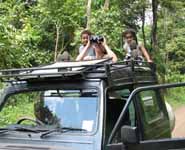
point(86, 32)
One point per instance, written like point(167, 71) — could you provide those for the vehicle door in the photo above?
point(152, 132)
point(116, 100)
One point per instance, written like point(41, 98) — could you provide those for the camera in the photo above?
point(96, 39)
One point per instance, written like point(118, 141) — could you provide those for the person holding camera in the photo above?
point(131, 39)
point(86, 51)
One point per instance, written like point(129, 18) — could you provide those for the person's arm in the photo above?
point(83, 53)
point(126, 48)
point(145, 53)
point(110, 53)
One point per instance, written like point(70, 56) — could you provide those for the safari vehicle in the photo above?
point(89, 105)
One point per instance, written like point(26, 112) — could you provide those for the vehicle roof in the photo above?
point(113, 73)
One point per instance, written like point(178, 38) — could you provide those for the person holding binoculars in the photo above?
point(94, 47)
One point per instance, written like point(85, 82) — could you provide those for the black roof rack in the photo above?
point(115, 73)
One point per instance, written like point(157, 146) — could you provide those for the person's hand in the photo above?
point(150, 61)
point(89, 42)
point(104, 43)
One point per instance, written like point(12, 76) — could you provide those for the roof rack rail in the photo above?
point(117, 73)
point(60, 68)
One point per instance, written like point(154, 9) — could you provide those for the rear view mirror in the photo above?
point(129, 135)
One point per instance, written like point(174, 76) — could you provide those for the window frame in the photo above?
point(164, 117)
point(24, 87)
point(135, 104)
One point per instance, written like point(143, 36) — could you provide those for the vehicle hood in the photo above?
point(10, 146)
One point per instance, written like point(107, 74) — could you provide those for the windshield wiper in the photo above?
point(73, 129)
point(61, 130)
point(18, 128)
point(3, 131)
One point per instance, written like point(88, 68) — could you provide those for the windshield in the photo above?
point(60, 108)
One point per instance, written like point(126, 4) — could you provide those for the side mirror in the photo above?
point(129, 135)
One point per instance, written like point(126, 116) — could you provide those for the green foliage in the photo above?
point(171, 38)
point(175, 96)
point(175, 49)
point(175, 77)
point(131, 12)
point(19, 35)
point(65, 15)
point(18, 106)
point(173, 5)
point(11, 113)
point(107, 23)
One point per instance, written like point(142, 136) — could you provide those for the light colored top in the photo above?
point(126, 47)
point(90, 51)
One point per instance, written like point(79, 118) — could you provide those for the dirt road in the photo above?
point(179, 130)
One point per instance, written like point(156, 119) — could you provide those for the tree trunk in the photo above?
point(56, 43)
point(106, 4)
point(143, 26)
point(154, 27)
point(88, 14)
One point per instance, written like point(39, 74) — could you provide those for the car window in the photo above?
point(55, 108)
point(154, 120)
point(156, 123)
point(150, 106)
point(70, 107)
point(124, 94)
point(115, 105)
